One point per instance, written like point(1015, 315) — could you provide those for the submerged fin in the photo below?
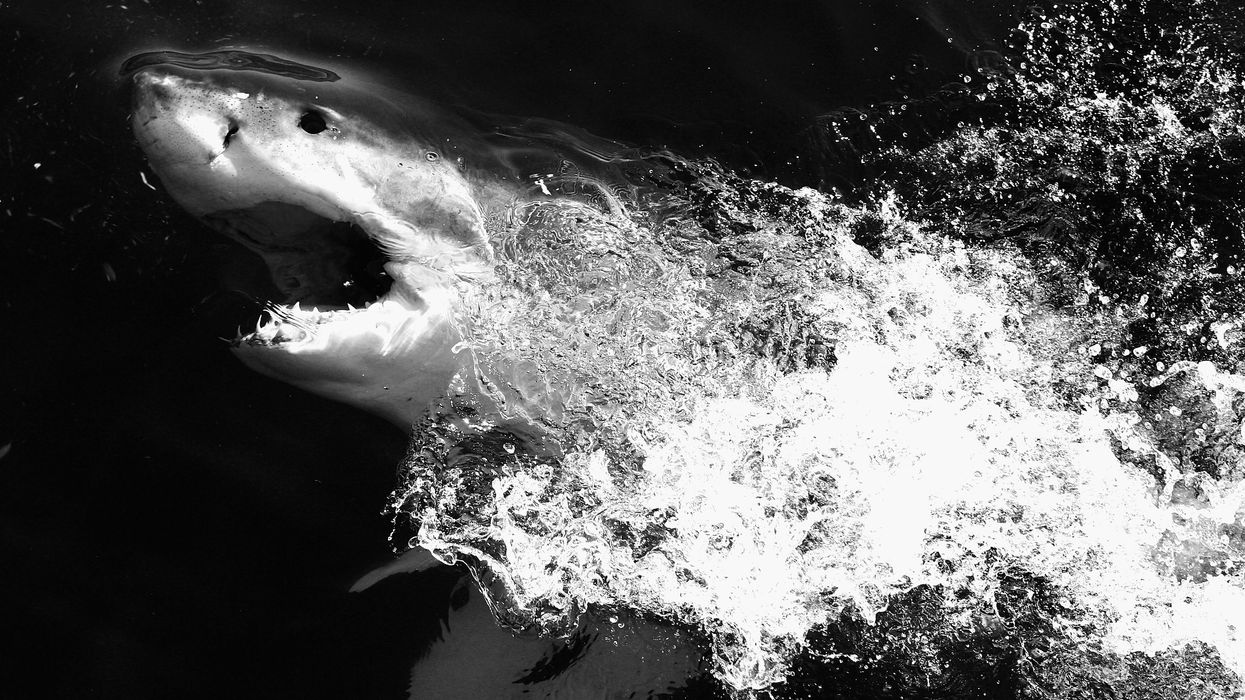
point(413, 561)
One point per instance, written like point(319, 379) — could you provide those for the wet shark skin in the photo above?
point(240, 151)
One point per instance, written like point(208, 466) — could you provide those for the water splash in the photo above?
point(961, 414)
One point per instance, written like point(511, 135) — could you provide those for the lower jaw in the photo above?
point(392, 362)
point(392, 356)
point(403, 316)
point(290, 325)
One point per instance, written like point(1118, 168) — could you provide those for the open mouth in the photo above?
point(324, 274)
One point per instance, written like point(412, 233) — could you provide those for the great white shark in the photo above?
point(327, 179)
point(298, 165)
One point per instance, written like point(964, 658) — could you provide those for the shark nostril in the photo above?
point(233, 129)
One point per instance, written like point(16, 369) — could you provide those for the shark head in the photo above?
point(329, 184)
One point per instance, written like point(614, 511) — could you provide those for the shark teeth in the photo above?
point(282, 324)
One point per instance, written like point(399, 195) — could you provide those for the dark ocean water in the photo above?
point(173, 525)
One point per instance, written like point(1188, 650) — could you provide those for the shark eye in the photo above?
point(312, 122)
point(432, 156)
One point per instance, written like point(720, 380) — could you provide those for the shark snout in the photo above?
point(152, 88)
point(186, 126)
